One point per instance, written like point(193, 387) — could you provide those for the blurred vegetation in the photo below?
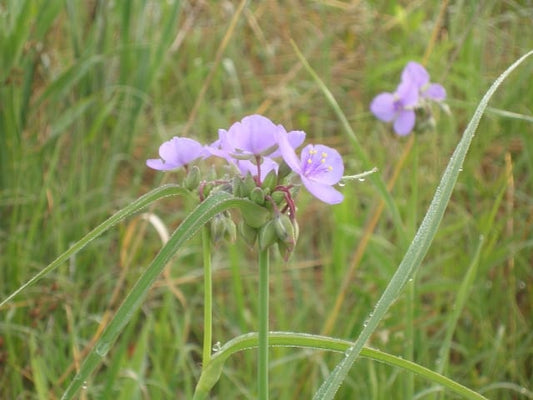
point(88, 91)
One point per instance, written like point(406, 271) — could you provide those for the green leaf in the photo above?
point(214, 204)
point(148, 198)
point(419, 246)
point(213, 370)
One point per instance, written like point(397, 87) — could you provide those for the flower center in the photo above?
point(316, 163)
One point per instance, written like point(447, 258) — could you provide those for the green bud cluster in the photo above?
point(280, 230)
point(223, 227)
point(267, 225)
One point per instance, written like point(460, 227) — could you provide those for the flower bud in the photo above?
point(248, 233)
point(270, 181)
point(257, 195)
point(237, 186)
point(192, 180)
point(217, 228)
point(267, 235)
point(287, 232)
point(278, 197)
point(285, 229)
point(223, 227)
point(248, 185)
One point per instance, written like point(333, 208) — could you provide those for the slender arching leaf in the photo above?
point(206, 210)
point(212, 372)
point(141, 202)
point(419, 246)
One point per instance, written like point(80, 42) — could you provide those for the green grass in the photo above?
point(88, 91)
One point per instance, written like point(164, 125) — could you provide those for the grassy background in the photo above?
point(88, 91)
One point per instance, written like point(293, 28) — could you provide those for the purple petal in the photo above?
point(404, 123)
point(435, 92)
point(416, 74)
point(287, 152)
point(322, 191)
point(156, 163)
point(254, 134)
point(383, 106)
point(177, 152)
point(248, 167)
point(407, 93)
point(322, 164)
point(296, 138)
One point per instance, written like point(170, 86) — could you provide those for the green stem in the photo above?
point(262, 361)
point(208, 296)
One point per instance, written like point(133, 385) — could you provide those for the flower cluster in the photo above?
point(263, 158)
point(414, 91)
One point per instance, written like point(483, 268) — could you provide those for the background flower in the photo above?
point(397, 107)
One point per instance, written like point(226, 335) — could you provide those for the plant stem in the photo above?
point(262, 361)
point(208, 296)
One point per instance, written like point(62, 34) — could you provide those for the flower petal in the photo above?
point(322, 164)
point(287, 152)
point(416, 74)
point(322, 191)
point(176, 153)
point(157, 163)
point(247, 167)
point(407, 93)
point(383, 106)
point(435, 92)
point(405, 122)
point(253, 135)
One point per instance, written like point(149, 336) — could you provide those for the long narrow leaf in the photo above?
point(206, 210)
point(213, 370)
point(141, 202)
point(419, 246)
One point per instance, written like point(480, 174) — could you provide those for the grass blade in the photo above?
point(143, 201)
point(248, 341)
point(206, 210)
point(420, 244)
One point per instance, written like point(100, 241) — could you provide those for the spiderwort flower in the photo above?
point(417, 75)
point(412, 93)
point(397, 107)
point(319, 167)
point(177, 152)
point(251, 143)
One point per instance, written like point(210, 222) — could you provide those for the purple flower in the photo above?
point(320, 167)
point(417, 75)
point(253, 141)
point(397, 107)
point(176, 153)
